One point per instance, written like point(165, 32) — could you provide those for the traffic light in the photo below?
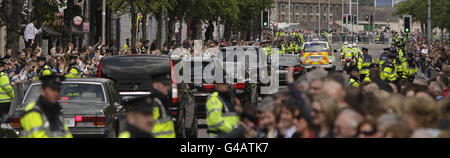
point(344, 20)
point(350, 19)
point(265, 18)
point(407, 24)
point(371, 19)
point(355, 20)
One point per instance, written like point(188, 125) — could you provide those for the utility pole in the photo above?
point(429, 22)
point(357, 15)
point(351, 27)
point(342, 26)
point(328, 15)
point(289, 12)
point(320, 18)
point(373, 22)
point(103, 22)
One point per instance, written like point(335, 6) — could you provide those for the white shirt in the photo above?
point(31, 32)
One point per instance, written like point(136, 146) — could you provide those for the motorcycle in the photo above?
point(348, 64)
point(6, 131)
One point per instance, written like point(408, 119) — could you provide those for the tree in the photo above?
point(122, 6)
point(440, 12)
point(10, 17)
point(146, 7)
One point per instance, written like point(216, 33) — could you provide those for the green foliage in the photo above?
point(440, 11)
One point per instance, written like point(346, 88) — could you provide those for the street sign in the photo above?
point(85, 27)
point(77, 20)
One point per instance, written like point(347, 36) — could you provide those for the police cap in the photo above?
point(365, 49)
point(140, 104)
point(354, 69)
point(162, 77)
point(41, 58)
point(392, 56)
point(2, 63)
point(52, 81)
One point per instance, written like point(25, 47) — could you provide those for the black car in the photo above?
point(132, 75)
point(90, 107)
point(286, 60)
point(203, 85)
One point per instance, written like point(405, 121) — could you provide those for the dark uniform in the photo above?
point(45, 70)
point(364, 64)
point(43, 119)
point(388, 71)
point(383, 57)
point(73, 71)
point(143, 105)
point(164, 126)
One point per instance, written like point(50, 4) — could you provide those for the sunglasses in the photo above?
point(368, 133)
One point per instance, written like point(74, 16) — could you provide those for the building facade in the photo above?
point(306, 13)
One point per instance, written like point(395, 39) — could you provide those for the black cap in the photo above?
point(2, 63)
point(41, 58)
point(140, 104)
point(392, 56)
point(387, 49)
point(164, 78)
point(52, 81)
point(355, 69)
point(73, 57)
point(365, 49)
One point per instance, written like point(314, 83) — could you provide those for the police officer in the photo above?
point(44, 69)
point(126, 45)
point(383, 57)
point(44, 118)
point(164, 126)
point(139, 117)
point(388, 70)
point(348, 55)
point(221, 115)
point(73, 71)
point(6, 91)
point(343, 48)
point(354, 78)
point(356, 51)
point(409, 68)
point(364, 63)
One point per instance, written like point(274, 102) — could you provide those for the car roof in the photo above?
point(97, 80)
point(133, 56)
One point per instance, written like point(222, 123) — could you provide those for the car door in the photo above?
point(116, 101)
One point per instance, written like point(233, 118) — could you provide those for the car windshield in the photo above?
point(315, 47)
point(71, 92)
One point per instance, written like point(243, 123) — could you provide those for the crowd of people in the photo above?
point(323, 104)
point(319, 104)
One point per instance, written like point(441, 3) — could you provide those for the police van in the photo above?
point(317, 54)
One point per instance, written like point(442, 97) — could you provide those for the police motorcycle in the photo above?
point(6, 130)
